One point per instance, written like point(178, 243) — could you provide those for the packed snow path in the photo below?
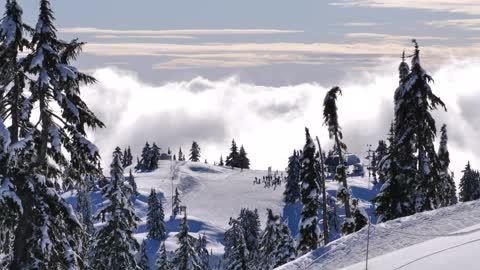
point(427, 240)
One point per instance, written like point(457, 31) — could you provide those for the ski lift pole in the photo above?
point(368, 243)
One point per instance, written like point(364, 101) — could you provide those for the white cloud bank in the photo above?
point(270, 121)
point(457, 6)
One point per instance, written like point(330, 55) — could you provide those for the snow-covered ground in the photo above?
point(447, 238)
point(212, 195)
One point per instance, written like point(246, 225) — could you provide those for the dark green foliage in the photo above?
point(127, 157)
point(236, 255)
point(202, 252)
point(232, 158)
point(359, 215)
point(162, 262)
point(195, 152)
point(250, 222)
point(149, 159)
point(186, 257)
point(310, 192)
point(114, 242)
point(447, 188)
point(143, 257)
point(413, 182)
point(155, 218)
point(220, 163)
point(380, 153)
point(469, 184)
point(55, 146)
point(276, 244)
point(243, 161)
point(133, 185)
point(176, 203)
point(292, 189)
point(330, 116)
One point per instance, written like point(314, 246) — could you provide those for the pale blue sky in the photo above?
point(317, 36)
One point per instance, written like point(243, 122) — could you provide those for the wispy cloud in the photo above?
point(376, 36)
point(363, 46)
point(361, 24)
point(456, 6)
point(143, 37)
point(177, 32)
point(466, 24)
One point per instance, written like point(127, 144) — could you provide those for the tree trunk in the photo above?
point(321, 177)
point(24, 230)
point(348, 212)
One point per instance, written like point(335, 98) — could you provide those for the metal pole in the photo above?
point(368, 244)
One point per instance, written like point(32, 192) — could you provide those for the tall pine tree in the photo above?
point(276, 244)
point(292, 189)
point(162, 262)
point(469, 185)
point(413, 177)
point(115, 246)
point(48, 234)
point(142, 257)
point(447, 184)
point(185, 256)
point(310, 192)
point(155, 218)
point(330, 116)
point(195, 152)
point(232, 158)
point(243, 161)
point(236, 256)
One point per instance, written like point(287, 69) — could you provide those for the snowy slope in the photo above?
point(212, 195)
point(447, 238)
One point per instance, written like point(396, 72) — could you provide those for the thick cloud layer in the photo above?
point(270, 121)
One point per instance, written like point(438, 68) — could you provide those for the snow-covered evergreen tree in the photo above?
point(181, 156)
point(127, 157)
point(143, 164)
point(115, 246)
point(220, 163)
point(359, 215)
point(155, 218)
point(243, 161)
point(330, 116)
point(236, 256)
point(250, 222)
point(185, 256)
point(176, 203)
point(142, 257)
point(447, 188)
point(154, 157)
point(195, 152)
point(380, 153)
point(320, 169)
point(162, 262)
point(232, 158)
point(133, 184)
point(84, 212)
point(292, 189)
point(276, 244)
point(413, 177)
point(48, 234)
point(202, 252)
point(469, 185)
point(310, 192)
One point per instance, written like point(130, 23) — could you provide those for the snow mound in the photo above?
point(423, 241)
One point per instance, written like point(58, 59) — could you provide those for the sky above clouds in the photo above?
point(268, 42)
point(211, 70)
